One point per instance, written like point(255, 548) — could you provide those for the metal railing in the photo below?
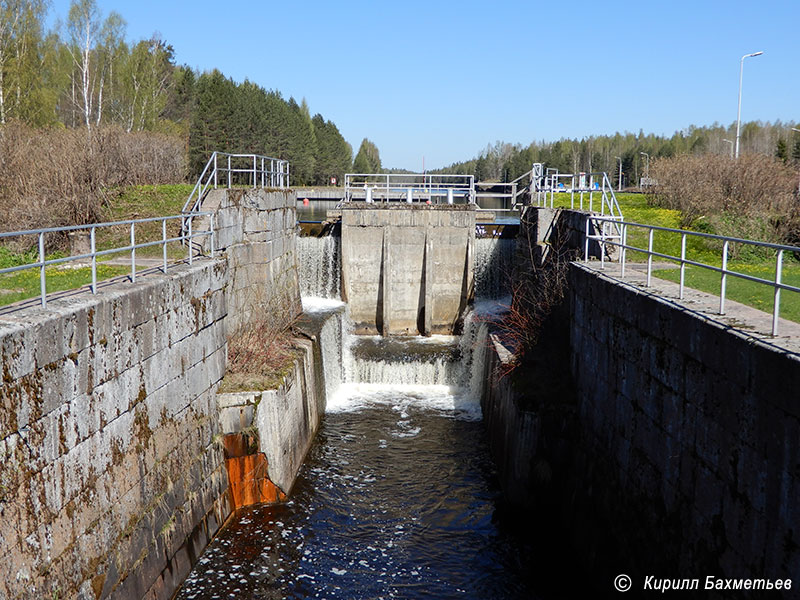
point(185, 238)
point(513, 191)
point(409, 187)
point(238, 169)
point(553, 183)
point(777, 285)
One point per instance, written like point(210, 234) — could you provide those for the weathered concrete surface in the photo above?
point(688, 428)
point(286, 419)
point(110, 480)
point(256, 229)
point(682, 456)
point(407, 269)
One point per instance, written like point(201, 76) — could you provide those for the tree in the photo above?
point(22, 61)
point(368, 159)
point(83, 26)
point(334, 155)
point(782, 151)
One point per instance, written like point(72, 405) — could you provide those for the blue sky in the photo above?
point(444, 79)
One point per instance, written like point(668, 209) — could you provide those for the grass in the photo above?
point(22, 285)
point(142, 202)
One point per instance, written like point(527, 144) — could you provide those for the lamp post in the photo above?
point(731, 143)
point(798, 184)
point(619, 183)
point(646, 166)
point(739, 110)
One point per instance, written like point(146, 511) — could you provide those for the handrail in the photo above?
point(385, 185)
point(265, 172)
point(598, 183)
point(186, 236)
point(777, 285)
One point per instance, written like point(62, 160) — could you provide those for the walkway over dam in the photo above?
point(675, 447)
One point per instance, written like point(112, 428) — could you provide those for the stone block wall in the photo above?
point(111, 482)
point(688, 458)
point(256, 228)
point(112, 475)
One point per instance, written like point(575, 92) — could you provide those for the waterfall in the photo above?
point(494, 259)
point(448, 371)
point(406, 361)
point(319, 263)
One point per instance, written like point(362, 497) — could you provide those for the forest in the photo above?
point(86, 74)
point(504, 162)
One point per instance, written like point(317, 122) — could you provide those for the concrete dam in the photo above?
point(393, 460)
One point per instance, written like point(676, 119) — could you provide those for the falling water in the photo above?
point(494, 258)
point(319, 261)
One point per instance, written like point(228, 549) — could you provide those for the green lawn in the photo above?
point(142, 202)
point(22, 285)
point(751, 293)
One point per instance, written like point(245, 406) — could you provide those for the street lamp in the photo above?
point(739, 110)
point(619, 183)
point(731, 143)
point(798, 185)
point(646, 166)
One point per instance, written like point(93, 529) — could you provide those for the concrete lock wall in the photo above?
point(108, 470)
point(689, 435)
point(256, 229)
point(678, 454)
point(112, 477)
point(407, 269)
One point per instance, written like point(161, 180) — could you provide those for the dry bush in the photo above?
point(261, 352)
point(56, 177)
point(259, 355)
point(539, 287)
point(755, 195)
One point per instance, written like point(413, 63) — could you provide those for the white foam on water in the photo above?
point(317, 304)
point(442, 399)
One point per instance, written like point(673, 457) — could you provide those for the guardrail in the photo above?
point(408, 187)
point(515, 190)
point(185, 238)
point(577, 183)
point(777, 285)
point(240, 169)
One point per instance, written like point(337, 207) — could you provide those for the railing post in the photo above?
point(683, 265)
point(42, 277)
point(777, 298)
point(624, 251)
point(229, 171)
point(449, 195)
point(723, 282)
point(215, 170)
point(133, 253)
point(410, 196)
point(254, 171)
point(649, 257)
point(602, 244)
point(213, 234)
point(189, 241)
point(586, 241)
point(94, 261)
point(262, 172)
point(164, 240)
